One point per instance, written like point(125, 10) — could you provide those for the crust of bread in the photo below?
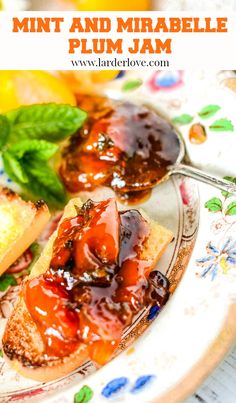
point(22, 343)
point(32, 218)
point(159, 239)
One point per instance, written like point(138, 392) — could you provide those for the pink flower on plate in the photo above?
point(184, 192)
point(165, 80)
point(218, 226)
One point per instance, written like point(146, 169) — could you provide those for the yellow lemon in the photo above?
point(108, 5)
point(31, 87)
point(100, 76)
point(84, 81)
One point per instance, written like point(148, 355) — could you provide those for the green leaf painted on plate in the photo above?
point(183, 119)
point(230, 179)
point(231, 209)
point(6, 280)
point(214, 205)
point(222, 125)
point(132, 85)
point(208, 111)
point(84, 395)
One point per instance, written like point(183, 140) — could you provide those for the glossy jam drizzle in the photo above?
point(97, 281)
point(122, 145)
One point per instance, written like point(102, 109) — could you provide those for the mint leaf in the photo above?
point(37, 149)
point(51, 122)
point(214, 205)
point(1, 353)
point(13, 168)
point(6, 280)
point(230, 179)
point(25, 163)
point(4, 130)
point(34, 248)
point(208, 111)
point(231, 209)
point(84, 395)
point(183, 119)
point(44, 183)
point(132, 85)
point(222, 125)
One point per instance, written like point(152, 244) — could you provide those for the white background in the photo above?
point(39, 51)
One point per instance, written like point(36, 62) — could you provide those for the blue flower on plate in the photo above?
point(117, 385)
point(4, 178)
point(218, 259)
point(114, 386)
point(153, 312)
point(141, 382)
point(120, 74)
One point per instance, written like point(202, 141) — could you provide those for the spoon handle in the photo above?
point(202, 176)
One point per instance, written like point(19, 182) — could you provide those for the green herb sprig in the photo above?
point(28, 139)
point(6, 279)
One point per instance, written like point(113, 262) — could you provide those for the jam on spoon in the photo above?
point(122, 145)
point(97, 281)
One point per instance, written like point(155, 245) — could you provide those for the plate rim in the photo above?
point(206, 364)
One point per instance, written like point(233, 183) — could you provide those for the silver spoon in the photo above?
point(192, 172)
point(182, 165)
point(186, 169)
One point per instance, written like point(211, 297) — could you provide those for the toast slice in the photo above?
point(21, 222)
point(22, 344)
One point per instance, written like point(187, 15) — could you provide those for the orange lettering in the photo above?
point(221, 24)
point(73, 44)
point(124, 25)
point(175, 25)
point(20, 25)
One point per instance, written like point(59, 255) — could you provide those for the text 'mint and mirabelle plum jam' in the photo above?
point(122, 145)
point(97, 281)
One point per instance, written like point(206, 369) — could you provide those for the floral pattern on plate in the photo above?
point(221, 256)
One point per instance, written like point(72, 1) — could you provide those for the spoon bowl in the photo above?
point(183, 166)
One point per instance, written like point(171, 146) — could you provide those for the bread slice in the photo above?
point(21, 222)
point(22, 344)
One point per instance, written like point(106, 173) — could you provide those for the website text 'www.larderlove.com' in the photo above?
point(121, 63)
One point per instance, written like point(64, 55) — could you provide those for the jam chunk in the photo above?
point(97, 281)
point(125, 146)
point(98, 243)
point(49, 306)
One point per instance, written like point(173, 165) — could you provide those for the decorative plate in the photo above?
point(165, 355)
